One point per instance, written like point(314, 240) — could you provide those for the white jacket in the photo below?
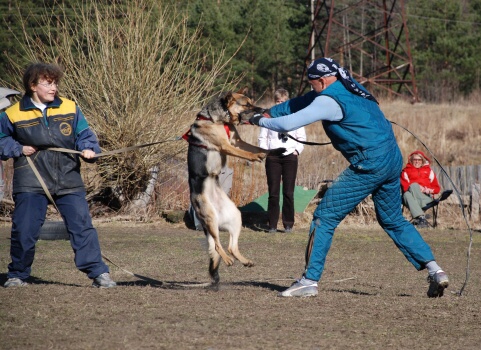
point(269, 139)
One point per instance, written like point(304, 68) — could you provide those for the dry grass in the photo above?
point(451, 131)
point(370, 297)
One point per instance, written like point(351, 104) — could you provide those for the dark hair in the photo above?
point(37, 71)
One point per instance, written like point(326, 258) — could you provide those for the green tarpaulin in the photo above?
point(302, 198)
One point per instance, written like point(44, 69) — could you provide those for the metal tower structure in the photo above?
point(368, 37)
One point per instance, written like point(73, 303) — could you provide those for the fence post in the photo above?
point(475, 195)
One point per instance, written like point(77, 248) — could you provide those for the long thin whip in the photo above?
point(468, 254)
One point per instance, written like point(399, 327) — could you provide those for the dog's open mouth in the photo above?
point(244, 117)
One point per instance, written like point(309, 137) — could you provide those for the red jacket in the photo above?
point(424, 176)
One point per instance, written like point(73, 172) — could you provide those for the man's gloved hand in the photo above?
point(255, 119)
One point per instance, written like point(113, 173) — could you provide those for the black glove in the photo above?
point(255, 119)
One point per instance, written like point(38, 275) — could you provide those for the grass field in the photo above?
point(370, 297)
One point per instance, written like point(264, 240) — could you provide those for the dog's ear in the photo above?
point(227, 100)
point(243, 91)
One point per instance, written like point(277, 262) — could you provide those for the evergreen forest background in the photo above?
point(269, 39)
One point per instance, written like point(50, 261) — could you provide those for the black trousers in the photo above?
point(281, 168)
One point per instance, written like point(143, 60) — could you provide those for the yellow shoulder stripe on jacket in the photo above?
point(16, 115)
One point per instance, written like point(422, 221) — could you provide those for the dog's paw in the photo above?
point(249, 263)
point(229, 261)
point(277, 151)
point(259, 157)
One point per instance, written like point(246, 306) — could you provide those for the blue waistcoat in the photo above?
point(363, 132)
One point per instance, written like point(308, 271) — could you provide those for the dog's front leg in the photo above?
point(230, 150)
point(236, 141)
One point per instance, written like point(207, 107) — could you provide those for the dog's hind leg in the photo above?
point(214, 259)
point(207, 207)
point(234, 226)
point(212, 229)
point(234, 250)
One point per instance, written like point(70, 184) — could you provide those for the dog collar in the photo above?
point(202, 117)
point(227, 130)
point(187, 135)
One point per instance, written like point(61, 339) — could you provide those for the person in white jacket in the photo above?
point(283, 168)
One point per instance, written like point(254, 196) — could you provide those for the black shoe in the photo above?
point(288, 229)
point(421, 222)
point(272, 230)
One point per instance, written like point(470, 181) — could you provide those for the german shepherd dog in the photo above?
point(211, 138)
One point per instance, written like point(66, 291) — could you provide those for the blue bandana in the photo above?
point(327, 67)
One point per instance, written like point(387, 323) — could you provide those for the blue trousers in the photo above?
point(381, 178)
point(29, 216)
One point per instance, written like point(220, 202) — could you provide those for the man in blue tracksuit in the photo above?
point(42, 120)
point(358, 129)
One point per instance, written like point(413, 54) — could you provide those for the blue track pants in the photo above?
point(29, 216)
point(379, 177)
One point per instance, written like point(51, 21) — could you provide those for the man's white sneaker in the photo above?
point(14, 282)
point(103, 281)
point(437, 284)
point(300, 288)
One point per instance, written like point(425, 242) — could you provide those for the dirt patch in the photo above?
point(370, 297)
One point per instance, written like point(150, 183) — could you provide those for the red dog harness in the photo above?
point(187, 135)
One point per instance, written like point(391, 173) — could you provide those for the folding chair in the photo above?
point(434, 205)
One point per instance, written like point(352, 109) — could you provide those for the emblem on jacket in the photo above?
point(65, 129)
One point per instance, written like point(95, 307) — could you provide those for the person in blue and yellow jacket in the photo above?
point(39, 121)
point(358, 129)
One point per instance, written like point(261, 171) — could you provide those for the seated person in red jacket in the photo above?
point(419, 185)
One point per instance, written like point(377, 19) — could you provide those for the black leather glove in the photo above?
point(266, 113)
point(255, 119)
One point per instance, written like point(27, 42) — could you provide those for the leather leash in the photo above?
point(103, 154)
point(42, 183)
point(307, 142)
point(109, 153)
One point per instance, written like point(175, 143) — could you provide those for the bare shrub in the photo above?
point(139, 76)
